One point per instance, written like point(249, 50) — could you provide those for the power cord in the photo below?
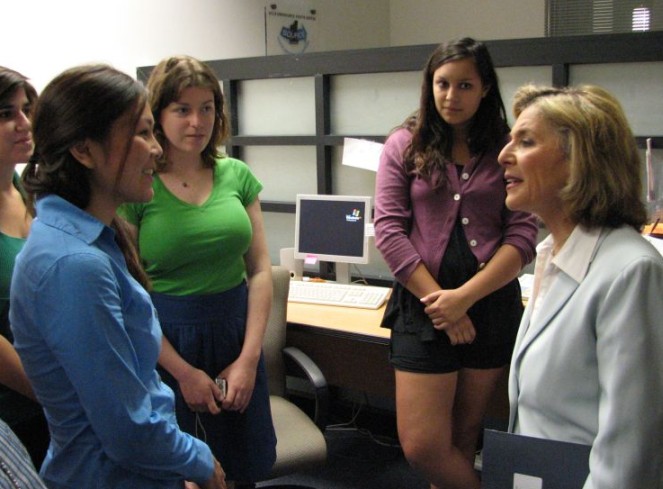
point(362, 278)
point(199, 425)
point(351, 426)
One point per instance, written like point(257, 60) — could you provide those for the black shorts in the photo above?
point(408, 353)
point(416, 346)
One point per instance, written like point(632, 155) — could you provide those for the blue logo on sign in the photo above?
point(294, 38)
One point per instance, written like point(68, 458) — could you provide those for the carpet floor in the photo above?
point(357, 459)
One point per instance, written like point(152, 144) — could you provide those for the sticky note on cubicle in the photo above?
point(361, 153)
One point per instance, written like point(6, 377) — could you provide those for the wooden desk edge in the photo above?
point(339, 333)
point(340, 321)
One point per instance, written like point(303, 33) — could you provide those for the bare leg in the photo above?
point(474, 391)
point(424, 407)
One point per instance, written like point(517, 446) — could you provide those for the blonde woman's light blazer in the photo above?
point(591, 369)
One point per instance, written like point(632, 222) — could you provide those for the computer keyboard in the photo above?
point(335, 294)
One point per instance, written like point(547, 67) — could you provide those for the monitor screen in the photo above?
point(332, 228)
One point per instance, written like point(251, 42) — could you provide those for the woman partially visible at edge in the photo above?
point(588, 362)
point(84, 326)
point(203, 243)
point(17, 400)
point(455, 251)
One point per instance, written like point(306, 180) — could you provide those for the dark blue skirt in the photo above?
point(208, 332)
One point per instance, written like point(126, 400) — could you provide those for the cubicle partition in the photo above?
point(291, 113)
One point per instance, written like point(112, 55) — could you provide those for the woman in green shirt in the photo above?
point(202, 242)
point(17, 401)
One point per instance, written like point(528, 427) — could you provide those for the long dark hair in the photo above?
point(82, 103)
point(432, 140)
point(10, 81)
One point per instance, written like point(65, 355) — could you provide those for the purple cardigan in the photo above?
point(413, 222)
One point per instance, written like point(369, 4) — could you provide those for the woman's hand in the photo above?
point(446, 310)
point(241, 378)
point(218, 480)
point(461, 332)
point(444, 307)
point(200, 391)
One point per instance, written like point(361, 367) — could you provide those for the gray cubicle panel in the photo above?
point(639, 88)
point(291, 113)
point(637, 85)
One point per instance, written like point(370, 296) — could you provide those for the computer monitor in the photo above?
point(332, 228)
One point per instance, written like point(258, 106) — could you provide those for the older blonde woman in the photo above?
point(588, 360)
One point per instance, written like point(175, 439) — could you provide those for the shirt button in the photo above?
point(481, 266)
point(473, 242)
point(465, 221)
point(465, 176)
point(456, 196)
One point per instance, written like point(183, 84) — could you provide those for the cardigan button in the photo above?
point(473, 243)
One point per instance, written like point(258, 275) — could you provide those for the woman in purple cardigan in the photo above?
point(455, 251)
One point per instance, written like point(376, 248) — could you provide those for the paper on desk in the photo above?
point(361, 153)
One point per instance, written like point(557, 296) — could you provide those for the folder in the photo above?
point(511, 461)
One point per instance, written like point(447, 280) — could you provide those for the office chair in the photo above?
point(300, 441)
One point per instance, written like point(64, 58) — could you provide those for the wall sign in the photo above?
point(290, 27)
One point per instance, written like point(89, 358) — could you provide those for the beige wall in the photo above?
point(43, 37)
point(353, 24)
point(434, 21)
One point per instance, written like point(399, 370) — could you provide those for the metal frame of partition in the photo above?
point(560, 53)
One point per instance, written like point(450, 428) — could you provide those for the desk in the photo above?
point(352, 350)
point(347, 344)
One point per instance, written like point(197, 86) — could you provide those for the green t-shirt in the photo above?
point(192, 250)
point(14, 408)
point(9, 248)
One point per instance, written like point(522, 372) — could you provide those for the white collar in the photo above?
point(576, 253)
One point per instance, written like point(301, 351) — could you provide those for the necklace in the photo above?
point(187, 179)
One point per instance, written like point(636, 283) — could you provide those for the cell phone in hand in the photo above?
point(223, 385)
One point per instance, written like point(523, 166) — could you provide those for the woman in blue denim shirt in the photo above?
point(84, 325)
